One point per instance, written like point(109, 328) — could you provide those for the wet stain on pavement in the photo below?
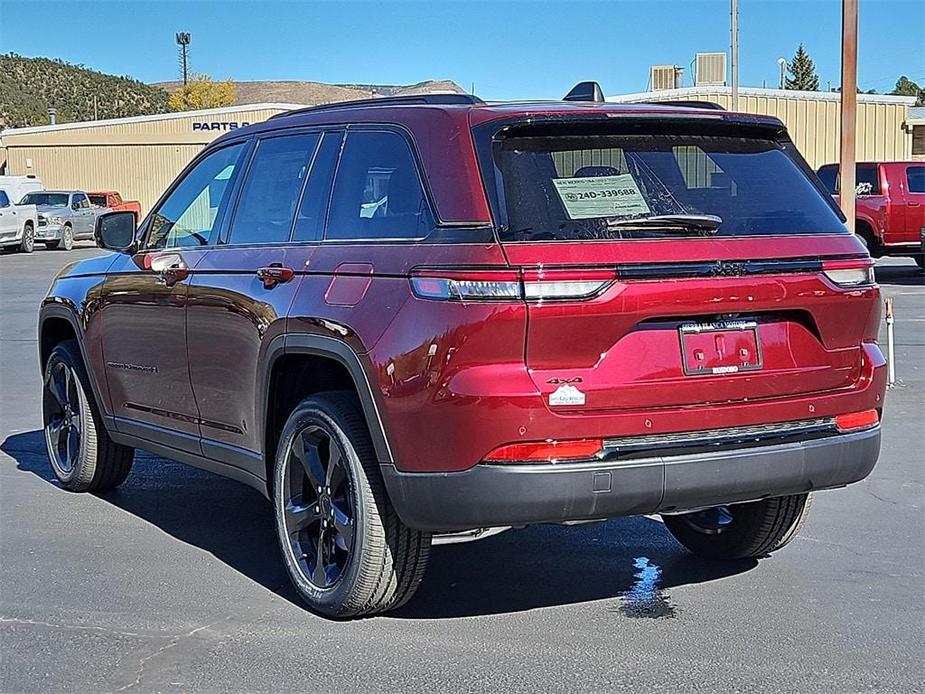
point(646, 598)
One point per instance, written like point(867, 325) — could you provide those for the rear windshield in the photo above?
point(46, 199)
point(563, 187)
point(98, 200)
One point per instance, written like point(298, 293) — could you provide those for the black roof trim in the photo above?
point(687, 104)
point(409, 100)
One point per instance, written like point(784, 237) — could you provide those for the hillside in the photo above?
point(29, 86)
point(311, 93)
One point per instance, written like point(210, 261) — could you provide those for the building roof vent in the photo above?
point(710, 70)
point(662, 77)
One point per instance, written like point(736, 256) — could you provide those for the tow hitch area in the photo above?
point(720, 348)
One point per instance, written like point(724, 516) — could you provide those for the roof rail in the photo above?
point(712, 105)
point(408, 100)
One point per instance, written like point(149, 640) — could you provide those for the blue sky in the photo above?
point(508, 49)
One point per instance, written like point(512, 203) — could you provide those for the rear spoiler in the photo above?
point(591, 91)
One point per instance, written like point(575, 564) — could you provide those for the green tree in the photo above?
point(906, 87)
point(802, 72)
point(203, 92)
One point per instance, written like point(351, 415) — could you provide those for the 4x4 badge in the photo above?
point(557, 381)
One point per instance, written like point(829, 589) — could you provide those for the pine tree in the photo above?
point(802, 72)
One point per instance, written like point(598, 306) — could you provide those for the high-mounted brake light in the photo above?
point(506, 285)
point(855, 421)
point(546, 451)
point(850, 273)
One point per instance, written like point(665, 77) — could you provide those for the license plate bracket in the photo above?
point(721, 347)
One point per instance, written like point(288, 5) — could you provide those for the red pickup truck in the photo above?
point(890, 206)
point(114, 201)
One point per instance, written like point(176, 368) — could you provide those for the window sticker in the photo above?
point(601, 196)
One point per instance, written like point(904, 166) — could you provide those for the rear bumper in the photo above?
point(501, 495)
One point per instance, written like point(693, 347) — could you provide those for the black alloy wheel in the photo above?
point(318, 507)
point(63, 411)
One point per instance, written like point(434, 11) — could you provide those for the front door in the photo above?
point(144, 307)
point(242, 291)
point(82, 214)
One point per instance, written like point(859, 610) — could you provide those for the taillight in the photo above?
point(487, 285)
point(553, 285)
point(546, 451)
point(850, 273)
point(855, 421)
point(506, 285)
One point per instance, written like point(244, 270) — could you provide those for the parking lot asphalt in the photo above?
point(174, 581)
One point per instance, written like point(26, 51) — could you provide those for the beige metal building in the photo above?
point(138, 157)
point(883, 132)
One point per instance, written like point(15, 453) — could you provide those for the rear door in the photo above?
point(625, 315)
point(244, 287)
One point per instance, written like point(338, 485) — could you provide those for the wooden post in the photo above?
point(849, 108)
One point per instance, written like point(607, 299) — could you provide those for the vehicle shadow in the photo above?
point(634, 559)
point(900, 275)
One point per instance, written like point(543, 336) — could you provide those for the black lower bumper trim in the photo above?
point(496, 495)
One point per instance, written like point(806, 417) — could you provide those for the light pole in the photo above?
point(734, 49)
point(782, 64)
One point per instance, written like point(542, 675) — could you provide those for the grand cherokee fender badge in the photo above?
point(131, 367)
point(566, 394)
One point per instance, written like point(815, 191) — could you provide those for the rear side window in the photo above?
point(271, 190)
point(915, 179)
point(377, 190)
point(867, 179)
point(576, 187)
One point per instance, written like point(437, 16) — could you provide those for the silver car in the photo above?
point(64, 216)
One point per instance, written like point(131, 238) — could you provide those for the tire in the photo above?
point(27, 245)
point(87, 460)
point(67, 239)
point(370, 565)
point(756, 529)
point(866, 234)
point(920, 261)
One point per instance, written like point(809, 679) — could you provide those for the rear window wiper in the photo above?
point(704, 223)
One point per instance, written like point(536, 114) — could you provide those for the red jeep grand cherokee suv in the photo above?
point(416, 319)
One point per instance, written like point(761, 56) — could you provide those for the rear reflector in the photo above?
point(507, 285)
point(849, 273)
point(546, 451)
point(855, 421)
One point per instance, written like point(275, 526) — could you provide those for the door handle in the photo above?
point(913, 204)
point(274, 274)
point(170, 267)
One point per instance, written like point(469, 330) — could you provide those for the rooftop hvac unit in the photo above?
point(663, 77)
point(710, 70)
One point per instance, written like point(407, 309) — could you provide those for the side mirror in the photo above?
point(75, 206)
point(115, 231)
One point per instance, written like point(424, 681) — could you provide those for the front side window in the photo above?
point(271, 189)
point(82, 202)
point(191, 211)
point(4, 200)
point(915, 179)
point(606, 186)
point(377, 190)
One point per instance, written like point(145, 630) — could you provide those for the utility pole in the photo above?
point(849, 105)
point(734, 46)
point(183, 40)
point(782, 64)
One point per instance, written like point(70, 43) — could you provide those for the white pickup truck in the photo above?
point(17, 225)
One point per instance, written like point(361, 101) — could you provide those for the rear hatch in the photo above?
point(677, 263)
